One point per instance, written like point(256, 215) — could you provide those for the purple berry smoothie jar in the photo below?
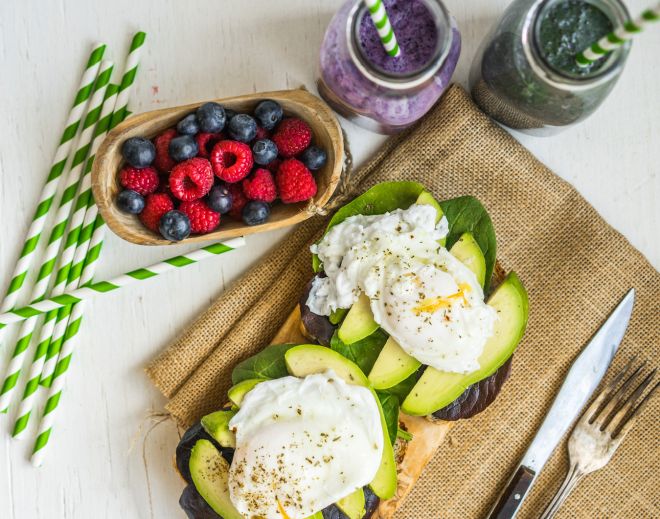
point(382, 93)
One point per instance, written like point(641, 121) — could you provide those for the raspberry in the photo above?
point(157, 204)
point(206, 141)
point(163, 160)
point(191, 179)
point(292, 137)
point(262, 133)
point(144, 181)
point(202, 218)
point(238, 200)
point(231, 160)
point(295, 182)
point(260, 186)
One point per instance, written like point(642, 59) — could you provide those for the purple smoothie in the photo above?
point(416, 33)
point(381, 93)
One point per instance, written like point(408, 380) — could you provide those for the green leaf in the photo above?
point(383, 197)
point(466, 214)
point(365, 352)
point(390, 405)
point(268, 363)
point(404, 387)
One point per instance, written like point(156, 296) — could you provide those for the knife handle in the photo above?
point(513, 495)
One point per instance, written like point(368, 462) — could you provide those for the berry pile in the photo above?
point(218, 162)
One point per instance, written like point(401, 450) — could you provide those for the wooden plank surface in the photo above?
point(195, 51)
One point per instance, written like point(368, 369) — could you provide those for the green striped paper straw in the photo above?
point(49, 190)
point(59, 376)
point(52, 254)
point(102, 287)
point(127, 80)
point(120, 113)
point(81, 229)
point(383, 26)
point(618, 37)
point(81, 234)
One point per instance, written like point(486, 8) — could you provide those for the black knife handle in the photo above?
point(513, 495)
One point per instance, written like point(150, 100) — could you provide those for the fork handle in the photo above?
point(570, 482)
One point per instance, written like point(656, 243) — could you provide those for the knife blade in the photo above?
point(581, 381)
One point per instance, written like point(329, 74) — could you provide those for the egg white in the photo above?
point(303, 444)
point(420, 294)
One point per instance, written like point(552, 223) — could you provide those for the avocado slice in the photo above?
point(435, 389)
point(467, 250)
point(238, 391)
point(210, 475)
point(217, 425)
point(392, 366)
point(336, 316)
point(308, 359)
point(353, 505)
point(359, 322)
point(426, 198)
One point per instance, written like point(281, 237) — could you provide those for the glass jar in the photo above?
point(512, 82)
point(367, 94)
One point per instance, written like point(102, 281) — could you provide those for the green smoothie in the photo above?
point(567, 28)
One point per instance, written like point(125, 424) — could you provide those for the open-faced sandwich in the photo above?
point(410, 319)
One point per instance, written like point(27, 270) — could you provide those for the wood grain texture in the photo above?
point(205, 50)
point(296, 103)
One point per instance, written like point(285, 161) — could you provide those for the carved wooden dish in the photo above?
point(298, 103)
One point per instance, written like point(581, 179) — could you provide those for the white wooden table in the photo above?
point(202, 50)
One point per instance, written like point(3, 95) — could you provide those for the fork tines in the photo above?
point(615, 409)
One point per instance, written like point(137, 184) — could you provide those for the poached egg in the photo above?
point(303, 444)
point(425, 298)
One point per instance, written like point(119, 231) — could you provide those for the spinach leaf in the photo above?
point(466, 214)
point(268, 363)
point(365, 352)
point(390, 405)
point(404, 387)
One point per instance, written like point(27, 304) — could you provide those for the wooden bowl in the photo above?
point(299, 103)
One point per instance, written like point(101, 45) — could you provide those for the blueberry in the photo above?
point(130, 202)
point(229, 113)
point(220, 199)
point(268, 113)
point(188, 125)
point(183, 147)
point(138, 152)
point(211, 117)
point(174, 225)
point(264, 151)
point(255, 212)
point(242, 128)
point(314, 158)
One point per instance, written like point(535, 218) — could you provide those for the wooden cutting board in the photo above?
point(427, 436)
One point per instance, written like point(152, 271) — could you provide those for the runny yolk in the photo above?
point(433, 304)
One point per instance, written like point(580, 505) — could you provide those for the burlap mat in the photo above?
point(575, 267)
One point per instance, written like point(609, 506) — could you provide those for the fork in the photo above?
point(602, 427)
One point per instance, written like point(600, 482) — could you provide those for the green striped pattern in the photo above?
point(618, 37)
point(90, 216)
point(102, 287)
point(383, 26)
point(49, 190)
point(53, 254)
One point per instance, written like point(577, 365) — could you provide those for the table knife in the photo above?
point(578, 386)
